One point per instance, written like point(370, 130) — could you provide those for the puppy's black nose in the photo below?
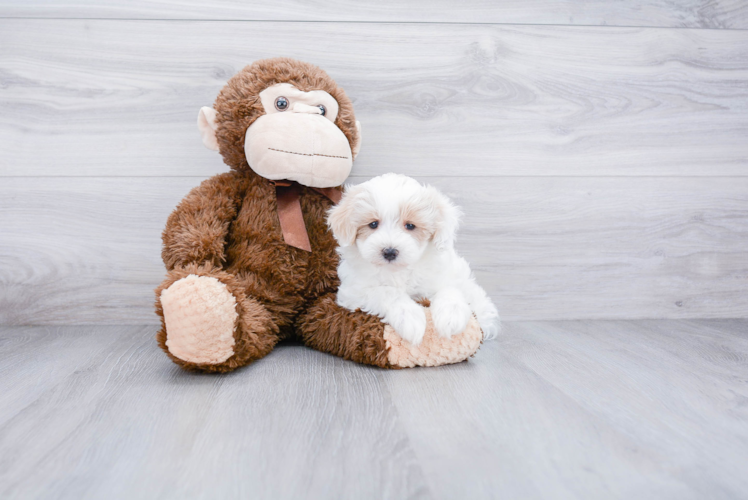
point(390, 254)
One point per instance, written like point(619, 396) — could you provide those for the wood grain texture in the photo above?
point(688, 13)
point(87, 250)
point(127, 423)
point(120, 98)
point(586, 409)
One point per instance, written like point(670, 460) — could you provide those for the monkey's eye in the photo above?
point(374, 224)
point(281, 103)
point(410, 226)
point(322, 108)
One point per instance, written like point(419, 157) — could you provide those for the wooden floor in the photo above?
point(566, 409)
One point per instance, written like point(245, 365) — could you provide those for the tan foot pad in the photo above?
point(433, 350)
point(200, 315)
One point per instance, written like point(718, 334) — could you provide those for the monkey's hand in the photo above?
point(433, 350)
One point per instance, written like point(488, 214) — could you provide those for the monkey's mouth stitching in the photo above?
point(307, 154)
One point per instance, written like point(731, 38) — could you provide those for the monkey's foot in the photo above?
point(200, 316)
point(433, 349)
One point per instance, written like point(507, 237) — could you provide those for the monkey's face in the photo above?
point(297, 139)
point(265, 121)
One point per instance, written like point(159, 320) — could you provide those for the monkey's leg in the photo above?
point(363, 338)
point(207, 321)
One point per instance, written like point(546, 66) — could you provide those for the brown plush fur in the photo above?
point(356, 336)
point(228, 228)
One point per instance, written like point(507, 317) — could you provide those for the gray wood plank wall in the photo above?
point(683, 13)
point(602, 169)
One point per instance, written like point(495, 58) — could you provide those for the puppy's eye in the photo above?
point(410, 226)
point(281, 103)
point(322, 108)
point(374, 224)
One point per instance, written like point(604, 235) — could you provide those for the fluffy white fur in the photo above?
point(419, 223)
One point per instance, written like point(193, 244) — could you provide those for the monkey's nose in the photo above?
point(300, 107)
point(390, 254)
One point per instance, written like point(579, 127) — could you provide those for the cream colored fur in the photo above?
point(206, 124)
point(200, 315)
point(434, 350)
point(299, 99)
point(297, 143)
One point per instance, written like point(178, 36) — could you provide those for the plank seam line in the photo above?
point(744, 319)
point(450, 23)
point(415, 176)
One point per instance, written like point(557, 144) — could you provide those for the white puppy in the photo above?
point(396, 242)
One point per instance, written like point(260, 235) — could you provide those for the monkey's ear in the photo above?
point(206, 123)
point(357, 146)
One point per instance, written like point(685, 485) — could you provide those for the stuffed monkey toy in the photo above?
point(249, 256)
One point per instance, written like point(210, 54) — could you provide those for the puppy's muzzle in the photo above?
point(390, 254)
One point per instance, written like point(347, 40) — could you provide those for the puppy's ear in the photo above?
point(448, 217)
point(342, 218)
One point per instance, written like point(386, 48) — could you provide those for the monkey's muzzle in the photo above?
point(302, 147)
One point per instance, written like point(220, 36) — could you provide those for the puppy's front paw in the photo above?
point(409, 321)
point(451, 316)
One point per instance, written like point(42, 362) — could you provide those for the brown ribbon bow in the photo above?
point(288, 197)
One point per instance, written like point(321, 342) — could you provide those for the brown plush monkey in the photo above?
point(249, 256)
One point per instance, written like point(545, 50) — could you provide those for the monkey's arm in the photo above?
point(357, 336)
point(196, 231)
point(364, 338)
